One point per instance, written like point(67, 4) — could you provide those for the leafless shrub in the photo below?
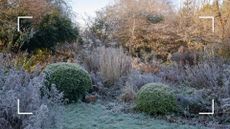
point(128, 94)
point(90, 61)
point(204, 75)
point(184, 56)
point(172, 74)
point(6, 60)
point(137, 79)
point(46, 109)
point(153, 67)
point(226, 79)
point(225, 98)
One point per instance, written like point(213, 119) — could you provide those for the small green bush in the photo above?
point(156, 98)
point(69, 78)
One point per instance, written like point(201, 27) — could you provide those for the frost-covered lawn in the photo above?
point(96, 116)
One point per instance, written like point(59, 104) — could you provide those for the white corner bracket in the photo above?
point(213, 21)
point(22, 113)
point(209, 113)
point(22, 17)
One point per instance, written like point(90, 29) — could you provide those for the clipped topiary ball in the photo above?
point(69, 78)
point(156, 98)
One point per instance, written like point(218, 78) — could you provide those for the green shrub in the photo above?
point(156, 98)
point(69, 78)
point(54, 29)
point(49, 27)
point(155, 18)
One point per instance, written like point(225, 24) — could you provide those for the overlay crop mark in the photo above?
point(213, 21)
point(22, 113)
point(209, 113)
point(22, 17)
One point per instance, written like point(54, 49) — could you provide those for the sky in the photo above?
point(84, 8)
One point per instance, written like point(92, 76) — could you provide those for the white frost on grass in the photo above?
point(96, 116)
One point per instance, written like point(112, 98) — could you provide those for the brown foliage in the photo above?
point(147, 25)
point(90, 99)
point(145, 67)
point(128, 94)
point(35, 8)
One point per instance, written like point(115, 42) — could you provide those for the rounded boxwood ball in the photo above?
point(69, 78)
point(156, 98)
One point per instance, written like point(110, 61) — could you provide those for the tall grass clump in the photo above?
point(111, 63)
